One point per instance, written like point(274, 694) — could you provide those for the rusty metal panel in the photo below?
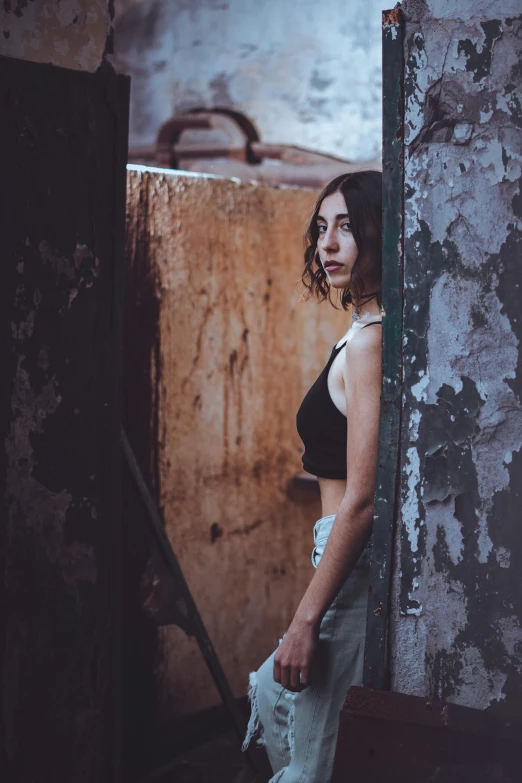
point(376, 652)
point(457, 599)
point(229, 354)
point(407, 739)
point(63, 152)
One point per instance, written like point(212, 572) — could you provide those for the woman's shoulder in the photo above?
point(364, 342)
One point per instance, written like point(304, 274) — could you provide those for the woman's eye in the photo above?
point(321, 229)
point(347, 226)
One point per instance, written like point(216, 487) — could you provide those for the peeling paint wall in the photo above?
point(457, 600)
point(307, 74)
point(233, 355)
point(63, 153)
point(68, 33)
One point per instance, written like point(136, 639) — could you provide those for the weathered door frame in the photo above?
point(375, 673)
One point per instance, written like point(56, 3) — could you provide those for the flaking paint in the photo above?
point(456, 598)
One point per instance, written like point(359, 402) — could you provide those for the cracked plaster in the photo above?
point(455, 591)
point(313, 78)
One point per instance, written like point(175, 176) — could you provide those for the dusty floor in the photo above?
point(219, 760)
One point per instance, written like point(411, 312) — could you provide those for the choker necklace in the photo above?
point(367, 297)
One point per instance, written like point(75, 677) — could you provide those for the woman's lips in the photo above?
point(331, 267)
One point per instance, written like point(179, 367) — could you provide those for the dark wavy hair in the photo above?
point(362, 192)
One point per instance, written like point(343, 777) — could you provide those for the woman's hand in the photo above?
point(294, 656)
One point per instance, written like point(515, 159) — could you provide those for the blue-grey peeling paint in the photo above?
point(456, 628)
point(478, 56)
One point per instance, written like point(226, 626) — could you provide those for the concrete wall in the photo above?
point(69, 33)
point(306, 74)
point(230, 360)
point(456, 625)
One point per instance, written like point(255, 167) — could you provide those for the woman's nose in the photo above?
point(329, 241)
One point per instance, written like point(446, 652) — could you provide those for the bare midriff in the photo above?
point(332, 493)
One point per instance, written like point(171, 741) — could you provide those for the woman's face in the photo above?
point(335, 243)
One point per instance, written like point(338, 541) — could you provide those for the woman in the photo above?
point(297, 694)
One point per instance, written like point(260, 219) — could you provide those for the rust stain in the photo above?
point(392, 17)
point(216, 531)
point(247, 529)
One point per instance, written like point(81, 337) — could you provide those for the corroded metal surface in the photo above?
point(232, 356)
point(408, 739)
point(456, 620)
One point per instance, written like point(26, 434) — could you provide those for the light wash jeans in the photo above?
point(299, 730)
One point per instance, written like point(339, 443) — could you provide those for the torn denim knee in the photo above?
point(254, 728)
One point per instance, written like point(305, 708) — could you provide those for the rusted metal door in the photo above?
point(219, 353)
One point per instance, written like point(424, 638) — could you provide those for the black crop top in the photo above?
point(322, 427)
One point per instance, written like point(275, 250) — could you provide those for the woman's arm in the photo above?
point(352, 526)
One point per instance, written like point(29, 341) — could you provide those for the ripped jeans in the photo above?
point(299, 730)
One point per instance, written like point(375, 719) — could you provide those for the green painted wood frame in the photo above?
point(387, 489)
